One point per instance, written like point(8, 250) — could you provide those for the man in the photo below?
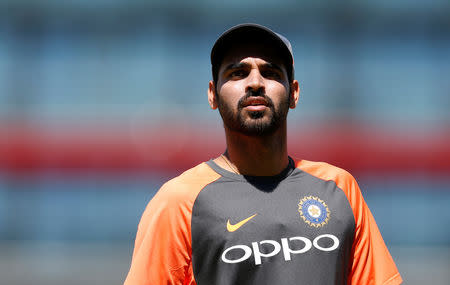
point(253, 215)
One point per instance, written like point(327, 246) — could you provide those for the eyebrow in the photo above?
point(238, 65)
point(270, 65)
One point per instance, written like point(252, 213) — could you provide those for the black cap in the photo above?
point(252, 33)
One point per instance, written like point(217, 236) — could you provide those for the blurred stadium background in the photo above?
point(102, 101)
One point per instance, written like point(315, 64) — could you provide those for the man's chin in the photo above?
point(258, 127)
point(256, 115)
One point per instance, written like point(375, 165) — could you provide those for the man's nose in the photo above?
point(255, 81)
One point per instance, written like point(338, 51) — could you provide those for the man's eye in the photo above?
point(271, 74)
point(237, 73)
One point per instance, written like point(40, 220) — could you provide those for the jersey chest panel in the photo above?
point(294, 231)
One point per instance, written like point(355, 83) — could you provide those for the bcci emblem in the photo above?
point(314, 211)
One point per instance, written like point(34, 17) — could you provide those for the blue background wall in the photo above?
point(80, 67)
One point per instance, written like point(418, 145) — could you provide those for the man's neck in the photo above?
point(256, 155)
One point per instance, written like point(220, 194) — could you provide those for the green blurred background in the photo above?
point(102, 101)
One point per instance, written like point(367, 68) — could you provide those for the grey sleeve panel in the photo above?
point(290, 229)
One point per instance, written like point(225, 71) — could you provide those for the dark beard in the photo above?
point(258, 124)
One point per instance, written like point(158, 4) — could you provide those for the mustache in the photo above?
point(252, 93)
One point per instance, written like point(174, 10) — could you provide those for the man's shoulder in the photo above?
point(189, 182)
point(177, 196)
point(197, 174)
point(324, 171)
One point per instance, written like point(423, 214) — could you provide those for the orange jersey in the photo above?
point(307, 225)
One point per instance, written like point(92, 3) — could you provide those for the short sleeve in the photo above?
point(372, 262)
point(163, 246)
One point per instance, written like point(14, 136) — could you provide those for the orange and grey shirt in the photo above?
point(307, 225)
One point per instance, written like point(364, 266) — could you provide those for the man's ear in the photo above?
point(295, 94)
point(212, 99)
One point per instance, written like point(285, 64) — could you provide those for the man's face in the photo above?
point(253, 92)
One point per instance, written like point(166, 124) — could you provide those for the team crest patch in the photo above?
point(314, 211)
